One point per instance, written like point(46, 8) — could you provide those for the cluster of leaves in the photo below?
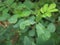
point(29, 22)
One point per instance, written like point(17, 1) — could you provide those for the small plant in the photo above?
point(22, 22)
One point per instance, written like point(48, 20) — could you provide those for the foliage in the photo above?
point(29, 22)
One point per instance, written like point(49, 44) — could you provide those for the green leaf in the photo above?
point(31, 32)
point(44, 8)
point(27, 41)
point(40, 29)
point(47, 14)
point(52, 6)
point(53, 10)
point(47, 9)
point(18, 23)
point(51, 27)
point(13, 19)
point(24, 13)
point(28, 4)
point(4, 17)
point(26, 23)
point(32, 18)
point(42, 32)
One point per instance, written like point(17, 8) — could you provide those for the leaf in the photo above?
point(4, 17)
point(32, 33)
point(26, 23)
point(38, 17)
point(18, 23)
point(28, 4)
point(27, 41)
point(51, 28)
point(52, 6)
point(40, 29)
point(32, 18)
point(13, 19)
point(53, 10)
point(47, 14)
point(44, 8)
point(45, 36)
point(42, 32)
point(24, 13)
